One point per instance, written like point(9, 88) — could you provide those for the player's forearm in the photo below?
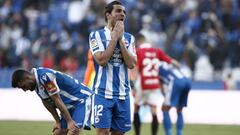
point(53, 111)
point(62, 108)
point(129, 59)
point(102, 58)
point(175, 63)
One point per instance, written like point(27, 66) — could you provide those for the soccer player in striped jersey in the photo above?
point(113, 52)
point(175, 92)
point(58, 91)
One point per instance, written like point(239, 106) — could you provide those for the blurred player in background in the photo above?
point(89, 73)
point(113, 53)
point(58, 91)
point(175, 90)
point(147, 84)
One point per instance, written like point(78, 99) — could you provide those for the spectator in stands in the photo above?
point(229, 82)
point(175, 22)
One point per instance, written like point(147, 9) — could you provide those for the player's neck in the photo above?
point(109, 26)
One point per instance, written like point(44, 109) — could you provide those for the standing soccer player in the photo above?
point(58, 91)
point(148, 80)
point(113, 52)
point(177, 87)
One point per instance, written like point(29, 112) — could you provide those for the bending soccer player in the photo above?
point(58, 91)
point(175, 90)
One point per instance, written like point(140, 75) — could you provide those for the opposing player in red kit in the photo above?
point(148, 83)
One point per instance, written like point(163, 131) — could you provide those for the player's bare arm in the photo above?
point(52, 110)
point(72, 128)
point(175, 63)
point(103, 57)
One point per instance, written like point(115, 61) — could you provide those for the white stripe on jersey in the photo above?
point(109, 82)
point(169, 93)
point(69, 106)
point(85, 92)
point(64, 93)
point(98, 78)
point(88, 109)
point(122, 88)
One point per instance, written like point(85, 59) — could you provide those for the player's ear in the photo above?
point(28, 77)
point(108, 16)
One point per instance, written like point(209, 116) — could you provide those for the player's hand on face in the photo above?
point(118, 30)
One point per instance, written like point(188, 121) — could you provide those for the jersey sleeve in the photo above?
point(95, 43)
point(49, 83)
point(164, 57)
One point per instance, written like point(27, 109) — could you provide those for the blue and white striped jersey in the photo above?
point(168, 72)
point(111, 80)
point(50, 82)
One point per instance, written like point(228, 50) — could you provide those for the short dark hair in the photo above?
point(141, 36)
point(18, 76)
point(109, 8)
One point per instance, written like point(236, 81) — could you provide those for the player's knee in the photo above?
point(117, 133)
point(136, 108)
point(102, 131)
point(179, 109)
point(166, 108)
point(154, 110)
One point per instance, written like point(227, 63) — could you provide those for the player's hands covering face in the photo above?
point(118, 30)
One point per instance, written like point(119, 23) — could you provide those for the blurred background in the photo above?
point(204, 35)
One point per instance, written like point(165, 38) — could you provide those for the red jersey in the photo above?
point(147, 62)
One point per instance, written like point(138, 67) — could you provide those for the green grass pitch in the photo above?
point(44, 128)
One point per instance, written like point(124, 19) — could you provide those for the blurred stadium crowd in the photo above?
point(204, 35)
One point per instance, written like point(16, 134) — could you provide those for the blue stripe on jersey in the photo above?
point(103, 78)
point(96, 67)
point(128, 38)
point(93, 36)
point(126, 80)
point(116, 80)
point(95, 49)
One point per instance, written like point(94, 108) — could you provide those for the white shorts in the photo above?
point(148, 97)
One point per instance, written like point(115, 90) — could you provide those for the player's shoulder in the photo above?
point(42, 70)
point(97, 30)
point(45, 74)
point(128, 35)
